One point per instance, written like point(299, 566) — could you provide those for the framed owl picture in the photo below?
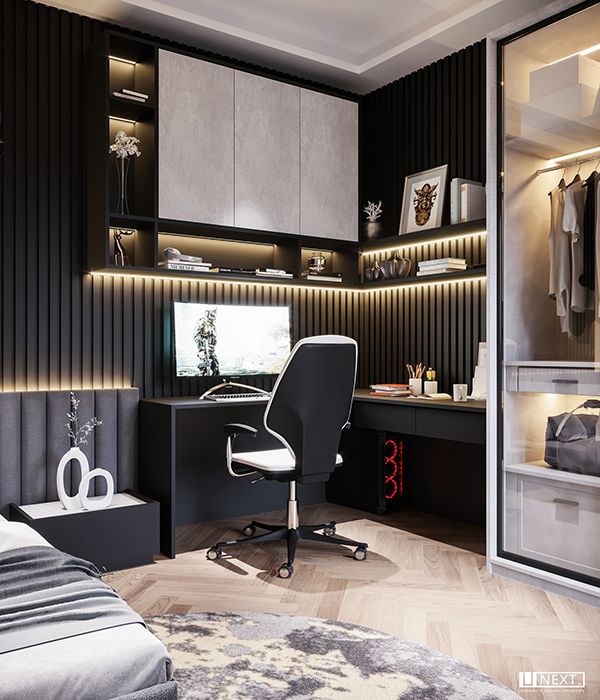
point(423, 200)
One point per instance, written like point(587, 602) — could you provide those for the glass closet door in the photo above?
point(550, 340)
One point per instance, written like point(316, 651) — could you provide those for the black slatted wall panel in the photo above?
point(60, 328)
point(432, 117)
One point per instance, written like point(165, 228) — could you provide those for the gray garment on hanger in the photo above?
point(581, 298)
point(560, 260)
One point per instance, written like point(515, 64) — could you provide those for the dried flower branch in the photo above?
point(79, 435)
point(373, 211)
point(125, 146)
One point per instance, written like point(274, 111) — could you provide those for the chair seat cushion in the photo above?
point(272, 461)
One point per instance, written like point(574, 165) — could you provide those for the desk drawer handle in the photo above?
point(565, 502)
point(566, 381)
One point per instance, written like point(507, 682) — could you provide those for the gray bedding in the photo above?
point(46, 595)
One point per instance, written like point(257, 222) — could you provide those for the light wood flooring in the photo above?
point(425, 579)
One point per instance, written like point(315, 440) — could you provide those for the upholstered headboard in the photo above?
point(33, 438)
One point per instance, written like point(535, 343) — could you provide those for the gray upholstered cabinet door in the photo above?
point(195, 140)
point(328, 166)
point(267, 154)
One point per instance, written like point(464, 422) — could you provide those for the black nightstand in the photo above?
point(123, 535)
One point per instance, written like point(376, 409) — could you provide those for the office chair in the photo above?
point(309, 407)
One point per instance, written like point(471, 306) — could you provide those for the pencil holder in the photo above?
point(416, 386)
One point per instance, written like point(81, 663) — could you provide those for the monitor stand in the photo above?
point(226, 383)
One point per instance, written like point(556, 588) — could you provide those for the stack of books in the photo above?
point(390, 390)
point(273, 272)
point(131, 95)
point(186, 265)
point(441, 265)
point(322, 276)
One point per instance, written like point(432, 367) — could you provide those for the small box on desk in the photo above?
point(123, 535)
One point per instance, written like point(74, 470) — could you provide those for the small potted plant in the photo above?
point(373, 226)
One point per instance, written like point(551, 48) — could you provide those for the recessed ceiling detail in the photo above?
point(352, 44)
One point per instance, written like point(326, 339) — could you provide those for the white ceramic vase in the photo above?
point(71, 502)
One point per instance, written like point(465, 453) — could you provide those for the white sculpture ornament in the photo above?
point(78, 436)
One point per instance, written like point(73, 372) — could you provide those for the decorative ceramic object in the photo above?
point(124, 147)
point(78, 436)
point(121, 256)
point(98, 503)
point(373, 273)
point(71, 502)
point(316, 262)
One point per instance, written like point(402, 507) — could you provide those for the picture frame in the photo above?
point(423, 200)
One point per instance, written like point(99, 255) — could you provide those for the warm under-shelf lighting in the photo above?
point(583, 52)
point(276, 285)
point(123, 60)
point(576, 155)
point(441, 239)
point(122, 119)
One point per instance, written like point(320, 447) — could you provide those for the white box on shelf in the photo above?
point(573, 102)
point(472, 202)
point(562, 74)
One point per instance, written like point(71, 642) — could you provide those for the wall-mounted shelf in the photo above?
point(478, 271)
point(434, 235)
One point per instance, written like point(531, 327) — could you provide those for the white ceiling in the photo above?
point(355, 44)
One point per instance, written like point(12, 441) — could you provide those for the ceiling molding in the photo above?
point(334, 65)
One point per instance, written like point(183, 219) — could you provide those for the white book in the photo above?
point(130, 98)
point(185, 267)
point(133, 93)
point(472, 202)
point(442, 270)
point(443, 261)
point(455, 203)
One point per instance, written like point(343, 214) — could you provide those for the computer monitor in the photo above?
point(223, 340)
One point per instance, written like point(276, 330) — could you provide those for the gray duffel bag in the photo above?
point(573, 441)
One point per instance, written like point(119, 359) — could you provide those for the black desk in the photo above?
point(443, 459)
point(182, 458)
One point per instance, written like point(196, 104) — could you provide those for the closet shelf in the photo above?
point(545, 471)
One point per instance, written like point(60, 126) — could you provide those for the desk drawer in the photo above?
point(460, 426)
point(387, 418)
point(553, 522)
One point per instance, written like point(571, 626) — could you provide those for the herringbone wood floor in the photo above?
point(425, 579)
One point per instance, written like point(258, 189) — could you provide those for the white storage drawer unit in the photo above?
point(584, 381)
point(554, 522)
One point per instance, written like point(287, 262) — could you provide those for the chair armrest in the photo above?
point(234, 429)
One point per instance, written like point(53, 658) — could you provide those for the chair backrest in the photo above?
point(311, 402)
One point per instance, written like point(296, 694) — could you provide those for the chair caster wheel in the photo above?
point(214, 553)
point(360, 553)
point(329, 531)
point(249, 530)
point(285, 570)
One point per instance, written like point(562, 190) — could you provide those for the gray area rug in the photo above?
point(271, 657)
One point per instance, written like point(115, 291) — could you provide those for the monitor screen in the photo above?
point(221, 340)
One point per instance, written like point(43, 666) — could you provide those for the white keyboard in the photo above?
point(237, 397)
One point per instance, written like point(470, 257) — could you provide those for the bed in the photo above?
point(49, 659)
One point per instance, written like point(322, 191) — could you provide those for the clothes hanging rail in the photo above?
point(563, 166)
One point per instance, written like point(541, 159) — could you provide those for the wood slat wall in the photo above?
point(431, 117)
point(61, 328)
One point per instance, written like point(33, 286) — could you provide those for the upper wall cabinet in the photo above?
point(267, 154)
point(195, 139)
point(328, 166)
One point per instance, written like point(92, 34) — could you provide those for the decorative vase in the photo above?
point(372, 229)
point(123, 172)
point(98, 503)
point(70, 502)
point(373, 273)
